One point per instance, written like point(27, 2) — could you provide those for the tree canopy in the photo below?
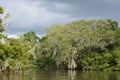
point(69, 42)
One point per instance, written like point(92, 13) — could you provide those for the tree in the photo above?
point(68, 42)
point(1, 22)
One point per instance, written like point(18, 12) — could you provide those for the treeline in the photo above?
point(82, 44)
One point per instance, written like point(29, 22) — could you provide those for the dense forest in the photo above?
point(82, 44)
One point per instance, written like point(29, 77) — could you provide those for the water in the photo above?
point(52, 74)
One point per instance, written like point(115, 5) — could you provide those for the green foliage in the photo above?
point(1, 20)
point(96, 61)
point(116, 58)
point(103, 61)
point(44, 61)
point(16, 53)
point(67, 42)
point(1, 10)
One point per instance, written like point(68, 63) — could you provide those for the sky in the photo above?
point(38, 15)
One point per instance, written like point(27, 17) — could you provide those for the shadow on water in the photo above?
point(58, 74)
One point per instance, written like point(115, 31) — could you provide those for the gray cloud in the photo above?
point(84, 8)
point(37, 15)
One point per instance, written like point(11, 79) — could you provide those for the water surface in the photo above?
point(53, 74)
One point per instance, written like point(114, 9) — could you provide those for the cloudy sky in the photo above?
point(37, 15)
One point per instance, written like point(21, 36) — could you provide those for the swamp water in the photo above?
point(53, 74)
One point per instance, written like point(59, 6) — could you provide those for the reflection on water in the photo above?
point(53, 74)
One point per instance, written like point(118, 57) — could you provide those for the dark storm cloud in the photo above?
point(83, 8)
